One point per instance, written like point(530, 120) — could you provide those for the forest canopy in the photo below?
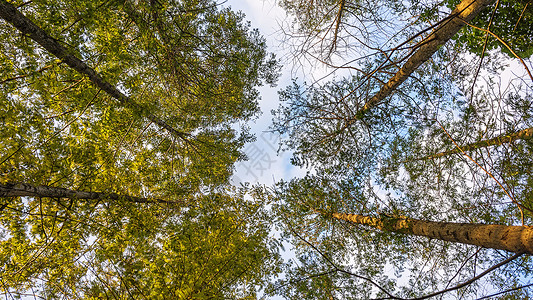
point(419, 143)
point(122, 123)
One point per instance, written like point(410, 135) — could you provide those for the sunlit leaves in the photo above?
point(193, 64)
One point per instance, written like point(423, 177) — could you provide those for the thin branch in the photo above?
point(342, 270)
point(520, 206)
point(506, 291)
point(506, 46)
point(337, 26)
point(521, 15)
point(473, 279)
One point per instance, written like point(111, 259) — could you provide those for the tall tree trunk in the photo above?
point(28, 190)
point(518, 239)
point(9, 13)
point(525, 134)
point(464, 12)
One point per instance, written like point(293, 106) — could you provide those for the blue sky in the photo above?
point(264, 164)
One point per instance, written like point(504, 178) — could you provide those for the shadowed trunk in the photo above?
point(518, 239)
point(10, 14)
point(464, 12)
point(28, 190)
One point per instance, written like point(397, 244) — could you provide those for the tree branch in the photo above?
point(28, 190)
point(473, 279)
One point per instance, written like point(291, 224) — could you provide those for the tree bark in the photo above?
point(28, 190)
point(464, 12)
point(10, 14)
point(518, 239)
point(525, 134)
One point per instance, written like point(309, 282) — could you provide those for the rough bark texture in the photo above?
point(464, 12)
point(518, 239)
point(525, 134)
point(28, 190)
point(9, 13)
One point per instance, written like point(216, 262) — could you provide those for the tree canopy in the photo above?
point(122, 122)
point(424, 127)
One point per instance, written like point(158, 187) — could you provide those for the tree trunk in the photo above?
point(525, 134)
point(464, 12)
point(9, 13)
point(28, 190)
point(518, 239)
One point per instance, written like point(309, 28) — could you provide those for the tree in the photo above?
point(119, 133)
point(322, 29)
point(9, 13)
point(227, 48)
point(27, 190)
point(110, 248)
point(494, 165)
point(524, 134)
point(349, 254)
point(358, 97)
point(362, 135)
point(510, 238)
point(463, 13)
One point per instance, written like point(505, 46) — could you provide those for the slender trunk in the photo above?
point(28, 190)
point(10, 14)
point(464, 12)
point(525, 134)
point(518, 239)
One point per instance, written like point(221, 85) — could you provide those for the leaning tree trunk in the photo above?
point(463, 13)
point(525, 134)
point(10, 14)
point(518, 239)
point(28, 190)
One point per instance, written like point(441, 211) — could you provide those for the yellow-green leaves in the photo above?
point(189, 65)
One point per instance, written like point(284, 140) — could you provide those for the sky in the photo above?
point(265, 165)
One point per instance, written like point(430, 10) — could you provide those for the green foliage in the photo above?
point(218, 248)
point(198, 70)
point(325, 249)
point(378, 162)
point(194, 65)
point(510, 20)
point(318, 131)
